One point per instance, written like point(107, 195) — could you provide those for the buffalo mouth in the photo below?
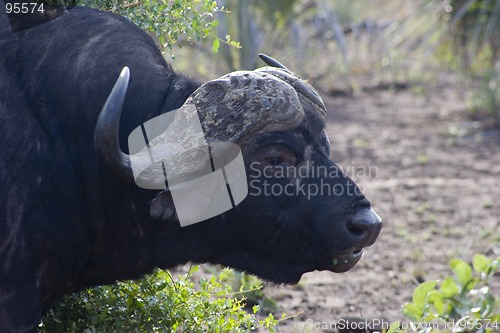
point(288, 272)
point(343, 262)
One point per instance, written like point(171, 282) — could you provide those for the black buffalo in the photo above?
point(70, 217)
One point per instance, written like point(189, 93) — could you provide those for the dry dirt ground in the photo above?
point(432, 174)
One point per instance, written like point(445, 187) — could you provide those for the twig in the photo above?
point(131, 5)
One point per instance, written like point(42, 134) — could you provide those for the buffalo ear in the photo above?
point(162, 207)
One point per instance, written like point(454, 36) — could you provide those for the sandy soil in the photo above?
point(432, 174)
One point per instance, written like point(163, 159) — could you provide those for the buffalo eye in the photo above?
point(277, 156)
point(276, 160)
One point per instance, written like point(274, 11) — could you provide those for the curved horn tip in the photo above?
point(125, 73)
point(272, 62)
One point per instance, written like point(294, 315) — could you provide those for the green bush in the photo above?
point(172, 21)
point(156, 303)
point(463, 302)
point(251, 290)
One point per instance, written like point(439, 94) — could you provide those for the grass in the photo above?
point(361, 143)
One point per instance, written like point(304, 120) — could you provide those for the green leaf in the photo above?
point(412, 312)
point(463, 272)
point(436, 299)
point(394, 327)
point(454, 262)
point(494, 264)
point(421, 292)
point(215, 46)
point(481, 264)
point(449, 288)
point(495, 320)
point(235, 44)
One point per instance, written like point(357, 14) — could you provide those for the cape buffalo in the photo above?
point(70, 213)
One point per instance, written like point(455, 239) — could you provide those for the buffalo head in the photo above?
point(302, 213)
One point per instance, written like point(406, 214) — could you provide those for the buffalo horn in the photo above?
point(106, 140)
point(271, 61)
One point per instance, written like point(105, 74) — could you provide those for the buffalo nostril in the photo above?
point(365, 222)
point(357, 229)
